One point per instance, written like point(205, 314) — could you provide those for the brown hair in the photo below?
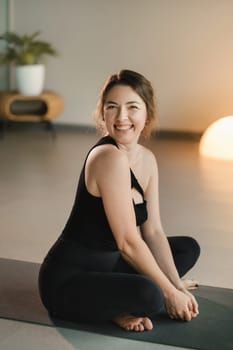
point(140, 85)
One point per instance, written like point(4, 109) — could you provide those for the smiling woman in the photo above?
point(124, 114)
point(141, 91)
point(113, 260)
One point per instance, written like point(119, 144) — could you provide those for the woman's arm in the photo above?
point(152, 230)
point(110, 169)
point(153, 233)
point(113, 180)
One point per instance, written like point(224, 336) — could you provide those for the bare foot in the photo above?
point(190, 284)
point(133, 323)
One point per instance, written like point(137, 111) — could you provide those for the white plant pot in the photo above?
point(30, 79)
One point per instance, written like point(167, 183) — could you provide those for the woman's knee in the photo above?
point(193, 248)
point(185, 251)
point(184, 246)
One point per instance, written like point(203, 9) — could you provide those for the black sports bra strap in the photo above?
point(135, 184)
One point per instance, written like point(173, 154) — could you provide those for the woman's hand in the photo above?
point(181, 305)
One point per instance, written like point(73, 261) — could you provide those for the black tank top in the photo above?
point(88, 223)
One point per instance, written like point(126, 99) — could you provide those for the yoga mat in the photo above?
point(211, 330)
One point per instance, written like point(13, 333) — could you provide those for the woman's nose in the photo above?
point(122, 113)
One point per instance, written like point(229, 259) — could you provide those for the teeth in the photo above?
point(127, 127)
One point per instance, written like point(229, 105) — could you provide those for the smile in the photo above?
point(123, 127)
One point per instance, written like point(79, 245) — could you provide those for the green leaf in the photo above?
point(24, 49)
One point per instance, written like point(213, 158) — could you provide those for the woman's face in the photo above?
point(124, 114)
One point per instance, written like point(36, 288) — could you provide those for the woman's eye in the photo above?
point(109, 107)
point(133, 107)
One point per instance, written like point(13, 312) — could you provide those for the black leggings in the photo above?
point(102, 295)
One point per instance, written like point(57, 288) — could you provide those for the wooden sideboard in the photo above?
point(15, 107)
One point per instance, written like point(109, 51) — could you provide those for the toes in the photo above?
point(128, 328)
point(131, 323)
point(190, 283)
point(148, 325)
point(139, 327)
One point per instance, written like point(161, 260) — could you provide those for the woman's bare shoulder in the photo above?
point(104, 164)
point(106, 159)
point(105, 154)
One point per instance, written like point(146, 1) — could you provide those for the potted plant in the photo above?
point(26, 52)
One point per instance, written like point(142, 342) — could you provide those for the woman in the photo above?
point(113, 260)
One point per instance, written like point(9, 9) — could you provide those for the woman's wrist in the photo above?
point(177, 285)
point(180, 285)
point(168, 292)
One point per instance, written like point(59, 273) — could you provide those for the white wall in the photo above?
point(185, 47)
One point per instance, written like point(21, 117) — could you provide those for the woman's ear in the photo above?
point(147, 122)
point(146, 127)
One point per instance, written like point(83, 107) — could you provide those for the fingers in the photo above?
point(193, 305)
point(172, 313)
point(189, 312)
point(179, 314)
point(184, 316)
point(182, 306)
point(187, 315)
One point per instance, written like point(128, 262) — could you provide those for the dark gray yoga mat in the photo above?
point(212, 330)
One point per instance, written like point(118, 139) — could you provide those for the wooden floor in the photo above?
point(38, 180)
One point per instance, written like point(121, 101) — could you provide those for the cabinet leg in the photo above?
point(3, 127)
point(50, 127)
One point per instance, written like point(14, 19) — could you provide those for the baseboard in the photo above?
point(89, 129)
point(178, 134)
point(161, 133)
